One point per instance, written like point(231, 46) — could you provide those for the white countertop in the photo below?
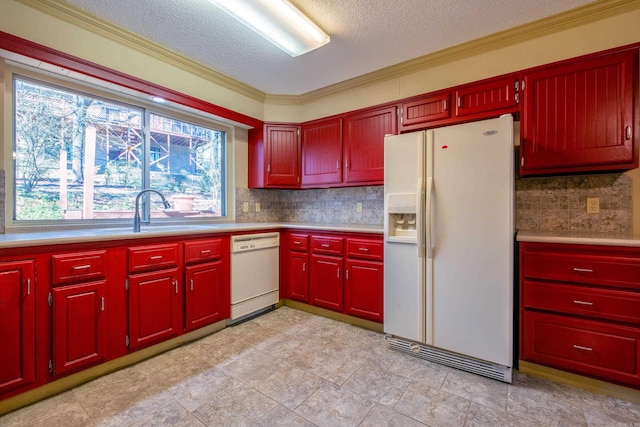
point(57, 237)
point(579, 238)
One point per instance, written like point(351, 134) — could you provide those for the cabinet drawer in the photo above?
point(610, 304)
point(142, 258)
point(616, 271)
point(326, 245)
point(299, 242)
point(365, 249)
point(202, 250)
point(78, 266)
point(584, 346)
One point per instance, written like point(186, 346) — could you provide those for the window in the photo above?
point(80, 156)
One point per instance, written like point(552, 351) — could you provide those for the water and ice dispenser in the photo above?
point(401, 216)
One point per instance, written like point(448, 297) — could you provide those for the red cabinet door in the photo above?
point(325, 282)
point(322, 152)
point(79, 326)
point(363, 292)
point(207, 298)
point(488, 98)
point(364, 144)
point(419, 113)
point(282, 156)
point(299, 276)
point(17, 325)
point(580, 116)
point(154, 307)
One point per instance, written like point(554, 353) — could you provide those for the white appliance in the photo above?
point(448, 251)
point(254, 273)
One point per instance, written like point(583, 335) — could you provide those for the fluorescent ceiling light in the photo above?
point(279, 22)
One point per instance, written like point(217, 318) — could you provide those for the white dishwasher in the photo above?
point(254, 273)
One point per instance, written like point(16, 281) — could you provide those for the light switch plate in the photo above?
point(359, 207)
point(593, 205)
point(257, 207)
point(245, 207)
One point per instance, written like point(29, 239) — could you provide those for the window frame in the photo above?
point(112, 93)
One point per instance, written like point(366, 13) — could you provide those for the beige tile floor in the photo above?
point(292, 368)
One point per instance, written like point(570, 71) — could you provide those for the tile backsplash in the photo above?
point(331, 205)
point(545, 203)
point(559, 203)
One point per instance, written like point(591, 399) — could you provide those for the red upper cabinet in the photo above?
point(282, 155)
point(322, 152)
point(364, 144)
point(487, 98)
point(274, 156)
point(580, 116)
point(17, 325)
point(419, 113)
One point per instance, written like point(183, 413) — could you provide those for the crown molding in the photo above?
point(563, 21)
point(75, 16)
point(592, 12)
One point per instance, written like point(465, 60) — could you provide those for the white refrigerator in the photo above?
point(448, 251)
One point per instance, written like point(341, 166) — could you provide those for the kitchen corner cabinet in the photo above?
point(207, 298)
point(77, 299)
point(363, 144)
point(581, 115)
point(17, 325)
point(580, 309)
point(363, 285)
point(155, 294)
point(274, 156)
point(322, 152)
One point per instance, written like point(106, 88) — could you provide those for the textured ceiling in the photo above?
point(366, 35)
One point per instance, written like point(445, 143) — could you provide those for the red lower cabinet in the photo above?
point(79, 326)
point(17, 325)
point(155, 309)
point(363, 289)
point(299, 276)
point(325, 283)
point(580, 309)
point(206, 296)
point(590, 347)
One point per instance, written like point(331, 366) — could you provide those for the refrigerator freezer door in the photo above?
point(404, 270)
point(473, 239)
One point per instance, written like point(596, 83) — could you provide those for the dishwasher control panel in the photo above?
point(249, 242)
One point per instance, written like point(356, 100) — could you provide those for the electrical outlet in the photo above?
point(245, 207)
point(593, 205)
point(359, 207)
point(257, 207)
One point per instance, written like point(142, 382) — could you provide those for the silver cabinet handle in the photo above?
point(575, 301)
point(338, 273)
point(579, 347)
point(627, 132)
point(28, 286)
point(81, 267)
point(297, 242)
point(582, 270)
point(175, 282)
point(191, 284)
point(325, 245)
point(347, 274)
point(205, 252)
point(304, 267)
point(444, 105)
point(155, 258)
point(102, 304)
point(363, 249)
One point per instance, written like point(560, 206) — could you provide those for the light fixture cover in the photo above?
point(278, 21)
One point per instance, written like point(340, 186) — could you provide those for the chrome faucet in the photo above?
point(136, 215)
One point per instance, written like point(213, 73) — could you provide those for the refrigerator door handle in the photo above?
point(419, 217)
point(429, 219)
